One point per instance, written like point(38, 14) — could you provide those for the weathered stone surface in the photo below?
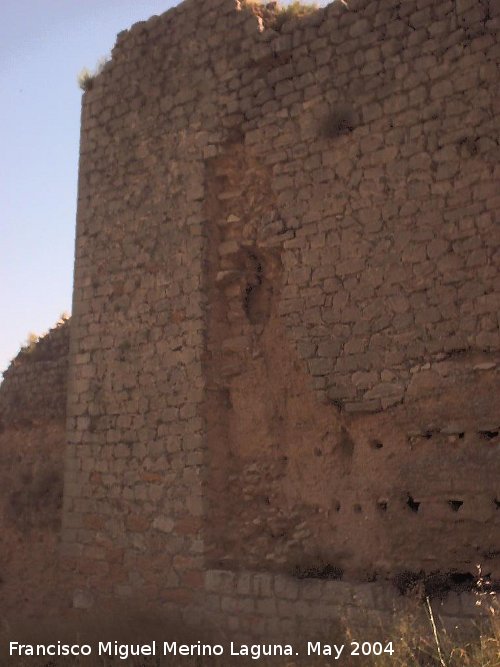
point(286, 267)
point(34, 387)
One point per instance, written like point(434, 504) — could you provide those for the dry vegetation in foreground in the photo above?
point(418, 639)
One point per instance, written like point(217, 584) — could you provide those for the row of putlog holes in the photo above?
point(428, 435)
point(413, 505)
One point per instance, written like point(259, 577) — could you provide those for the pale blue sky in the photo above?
point(44, 44)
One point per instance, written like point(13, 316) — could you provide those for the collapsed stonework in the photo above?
point(32, 442)
point(34, 386)
point(284, 353)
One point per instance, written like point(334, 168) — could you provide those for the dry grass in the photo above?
point(418, 636)
point(86, 77)
point(418, 646)
point(423, 641)
point(295, 9)
point(418, 642)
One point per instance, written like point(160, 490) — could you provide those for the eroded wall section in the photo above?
point(352, 375)
point(32, 444)
point(34, 387)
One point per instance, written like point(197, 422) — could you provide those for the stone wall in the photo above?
point(285, 340)
point(261, 604)
point(33, 398)
point(34, 386)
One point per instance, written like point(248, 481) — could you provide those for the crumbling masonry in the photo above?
point(285, 350)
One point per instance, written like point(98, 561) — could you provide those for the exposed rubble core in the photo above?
point(299, 486)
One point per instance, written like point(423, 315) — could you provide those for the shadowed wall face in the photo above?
point(33, 388)
point(285, 347)
point(32, 443)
